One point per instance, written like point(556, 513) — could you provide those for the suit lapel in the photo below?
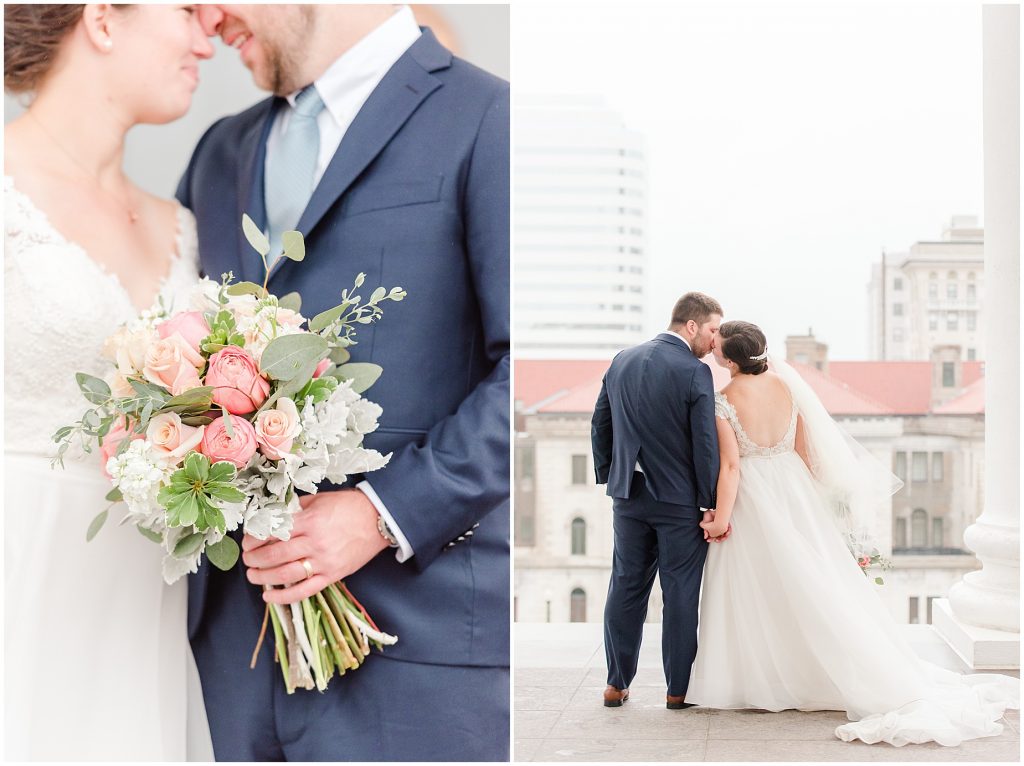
point(406, 85)
point(252, 151)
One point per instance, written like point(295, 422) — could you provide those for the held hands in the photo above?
point(715, 531)
point(336, 533)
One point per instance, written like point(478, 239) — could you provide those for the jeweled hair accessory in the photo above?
point(761, 356)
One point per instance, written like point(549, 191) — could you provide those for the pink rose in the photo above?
point(172, 439)
point(236, 449)
point(190, 325)
point(237, 383)
point(324, 364)
point(277, 428)
point(863, 562)
point(109, 443)
point(173, 364)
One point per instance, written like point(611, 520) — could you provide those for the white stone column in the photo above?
point(981, 620)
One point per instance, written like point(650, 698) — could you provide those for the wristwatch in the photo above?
point(387, 534)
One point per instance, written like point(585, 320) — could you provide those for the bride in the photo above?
point(97, 660)
point(788, 620)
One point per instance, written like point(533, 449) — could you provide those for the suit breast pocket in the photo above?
point(385, 196)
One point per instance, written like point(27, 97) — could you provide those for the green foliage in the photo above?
point(338, 324)
point(256, 238)
point(294, 246)
point(96, 525)
point(114, 495)
point(223, 554)
point(319, 388)
point(149, 534)
point(93, 389)
point(247, 288)
point(292, 301)
point(195, 401)
point(288, 356)
point(222, 333)
point(195, 491)
point(362, 374)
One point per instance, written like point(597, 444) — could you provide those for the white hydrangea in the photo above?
point(139, 473)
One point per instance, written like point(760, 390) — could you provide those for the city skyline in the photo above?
point(858, 132)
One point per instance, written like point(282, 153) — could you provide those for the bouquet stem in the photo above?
point(321, 636)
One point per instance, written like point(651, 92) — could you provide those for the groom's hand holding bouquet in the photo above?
point(216, 418)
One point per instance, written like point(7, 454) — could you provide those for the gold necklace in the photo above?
point(132, 215)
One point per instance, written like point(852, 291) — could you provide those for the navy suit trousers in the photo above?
point(653, 538)
point(387, 710)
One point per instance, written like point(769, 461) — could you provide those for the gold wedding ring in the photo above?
point(308, 567)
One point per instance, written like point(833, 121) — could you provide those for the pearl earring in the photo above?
point(108, 44)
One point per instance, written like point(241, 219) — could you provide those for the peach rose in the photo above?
point(277, 428)
point(190, 325)
point(128, 348)
point(173, 364)
point(172, 439)
point(236, 449)
point(109, 443)
point(237, 383)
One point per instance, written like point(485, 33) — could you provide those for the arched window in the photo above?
point(919, 528)
point(579, 537)
point(578, 605)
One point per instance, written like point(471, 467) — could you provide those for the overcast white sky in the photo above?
point(787, 145)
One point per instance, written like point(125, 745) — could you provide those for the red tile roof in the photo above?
point(850, 388)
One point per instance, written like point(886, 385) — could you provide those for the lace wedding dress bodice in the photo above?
point(60, 305)
point(748, 448)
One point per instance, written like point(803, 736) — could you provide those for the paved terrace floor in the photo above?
point(560, 674)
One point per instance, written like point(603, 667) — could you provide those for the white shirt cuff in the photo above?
point(405, 551)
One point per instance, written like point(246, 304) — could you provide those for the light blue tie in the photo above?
point(290, 168)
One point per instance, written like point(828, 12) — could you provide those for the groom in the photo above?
point(391, 157)
point(656, 447)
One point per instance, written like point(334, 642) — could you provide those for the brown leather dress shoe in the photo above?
point(676, 703)
point(615, 697)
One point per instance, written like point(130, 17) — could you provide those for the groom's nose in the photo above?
point(210, 19)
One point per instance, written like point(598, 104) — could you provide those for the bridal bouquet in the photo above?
point(213, 418)
point(867, 555)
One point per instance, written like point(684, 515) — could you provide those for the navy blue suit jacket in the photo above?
point(657, 406)
point(417, 195)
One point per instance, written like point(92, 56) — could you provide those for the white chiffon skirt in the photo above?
point(97, 661)
point(788, 621)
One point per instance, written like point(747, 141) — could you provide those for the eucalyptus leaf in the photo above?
point(377, 294)
point(94, 389)
point(188, 545)
point(362, 374)
point(879, 581)
point(256, 238)
point(229, 427)
point(289, 355)
point(114, 495)
point(96, 525)
point(294, 245)
point(223, 554)
point(149, 534)
point(197, 420)
point(324, 319)
point(247, 288)
point(291, 301)
point(195, 401)
point(340, 355)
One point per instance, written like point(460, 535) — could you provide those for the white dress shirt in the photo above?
point(344, 88)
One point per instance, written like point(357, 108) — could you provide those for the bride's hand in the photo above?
point(714, 530)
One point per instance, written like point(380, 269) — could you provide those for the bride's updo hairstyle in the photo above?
point(740, 341)
point(32, 36)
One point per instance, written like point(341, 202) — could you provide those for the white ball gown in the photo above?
point(788, 620)
point(97, 661)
